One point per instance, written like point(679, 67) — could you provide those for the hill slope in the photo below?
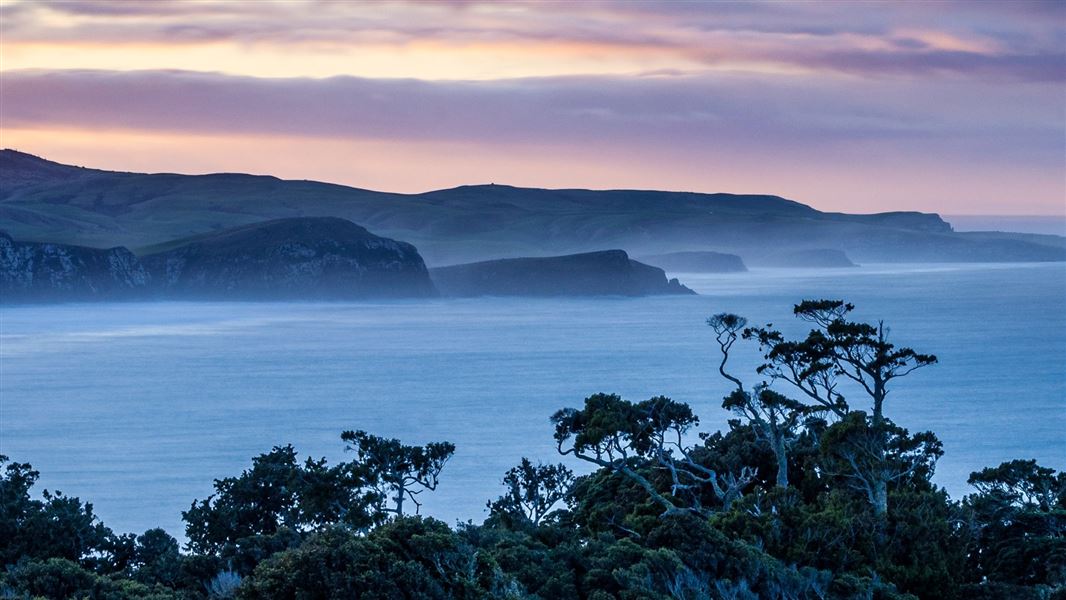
point(303, 259)
point(605, 273)
point(45, 201)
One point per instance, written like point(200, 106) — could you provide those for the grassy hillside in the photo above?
point(45, 201)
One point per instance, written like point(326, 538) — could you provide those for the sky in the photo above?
point(950, 107)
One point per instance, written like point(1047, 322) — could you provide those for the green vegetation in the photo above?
point(806, 495)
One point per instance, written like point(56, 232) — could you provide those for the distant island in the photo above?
point(44, 201)
point(610, 272)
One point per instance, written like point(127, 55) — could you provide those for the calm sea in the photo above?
point(138, 407)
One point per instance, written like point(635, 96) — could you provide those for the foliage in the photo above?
point(1018, 521)
point(395, 471)
point(409, 557)
point(862, 455)
point(62, 579)
point(278, 498)
point(532, 492)
point(56, 526)
point(617, 435)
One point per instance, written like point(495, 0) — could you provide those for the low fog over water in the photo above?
point(138, 407)
point(1045, 224)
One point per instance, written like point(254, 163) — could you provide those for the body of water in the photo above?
point(138, 407)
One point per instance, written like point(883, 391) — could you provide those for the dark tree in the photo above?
point(1018, 521)
point(279, 493)
point(727, 329)
point(57, 526)
point(405, 558)
point(774, 417)
point(1021, 484)
point(871, 457)
point(623, 437)
point(839, 350)
point(532, 492)
point(157, 558)
point(395, 471)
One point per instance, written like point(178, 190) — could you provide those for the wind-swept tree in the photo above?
point(838, 350)
point(774, 417)
point(776, 420)
point(869, 457)
point(624, 437)
point(395, 471)
point(532, 491)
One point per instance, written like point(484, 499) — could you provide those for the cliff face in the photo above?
point(302, 259)
point(287, 259)
point(32, 271)
point(609, 272)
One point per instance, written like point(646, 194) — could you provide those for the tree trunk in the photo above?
point(879, 403)
point(399, 500)
point(782, 463)
point(880, 497)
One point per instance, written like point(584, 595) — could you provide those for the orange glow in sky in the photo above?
point(851, 107)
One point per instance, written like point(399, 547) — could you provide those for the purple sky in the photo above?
point(954, 107)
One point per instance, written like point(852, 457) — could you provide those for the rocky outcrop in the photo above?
point(306, 258)
point(609, 272)
point(288, 259)
point(31, 271)
point(697, 262)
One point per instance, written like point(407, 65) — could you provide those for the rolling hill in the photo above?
point(42, 200)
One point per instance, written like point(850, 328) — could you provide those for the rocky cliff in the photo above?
point(309, 258)
point(31, 271)
point(287, 259)
point(609, 272)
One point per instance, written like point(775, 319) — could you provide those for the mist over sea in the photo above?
point(1041, 224)
point(137, 407)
